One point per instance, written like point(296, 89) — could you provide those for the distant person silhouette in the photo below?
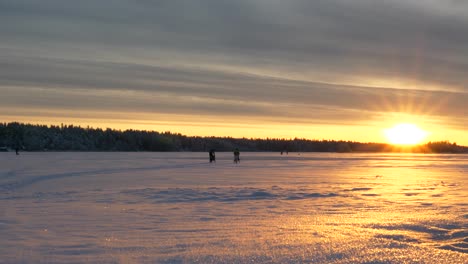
point(17, 150)
point(212, 156)
point(236, 156)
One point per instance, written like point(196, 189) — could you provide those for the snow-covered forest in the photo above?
point(75, 138)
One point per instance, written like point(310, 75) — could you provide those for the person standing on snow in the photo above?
point(236, 156)
point(212, 156)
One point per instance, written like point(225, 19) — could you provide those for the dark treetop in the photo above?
point(74, 138)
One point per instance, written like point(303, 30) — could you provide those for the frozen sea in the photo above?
point(270, 208)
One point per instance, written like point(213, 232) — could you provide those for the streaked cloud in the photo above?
point(314, 62)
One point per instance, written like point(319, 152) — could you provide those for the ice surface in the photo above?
point(179, 208)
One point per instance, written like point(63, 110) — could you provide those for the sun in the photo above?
point(405, 134)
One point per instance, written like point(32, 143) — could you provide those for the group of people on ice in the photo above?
point(213, 156)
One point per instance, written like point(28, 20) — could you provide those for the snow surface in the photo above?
point(179, 208)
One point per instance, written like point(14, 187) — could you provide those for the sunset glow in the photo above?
point(251, 131)
point(200, 69)
point(405, 134)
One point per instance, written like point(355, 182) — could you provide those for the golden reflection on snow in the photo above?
point(177, 208)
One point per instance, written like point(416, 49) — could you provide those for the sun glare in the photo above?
point(405, 134)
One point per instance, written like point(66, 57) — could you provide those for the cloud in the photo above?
point(63, 84)
point(299, 60)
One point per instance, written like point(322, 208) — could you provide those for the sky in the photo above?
point(325, 69)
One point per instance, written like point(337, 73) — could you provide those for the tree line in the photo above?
point(31, 137)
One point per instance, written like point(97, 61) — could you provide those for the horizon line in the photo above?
point(243, 137)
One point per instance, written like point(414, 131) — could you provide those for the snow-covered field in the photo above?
point(179, 208)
